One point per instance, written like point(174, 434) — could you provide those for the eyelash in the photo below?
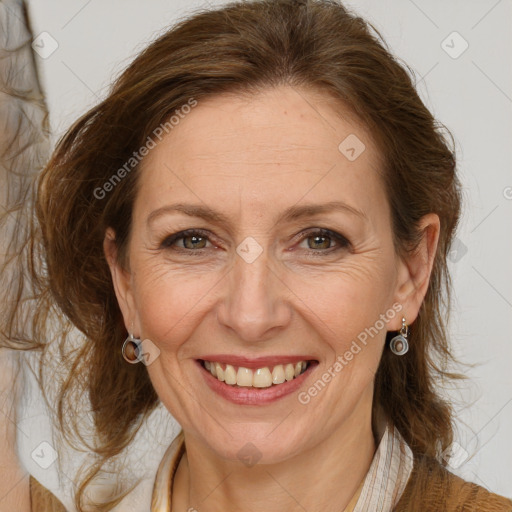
point(342, 242)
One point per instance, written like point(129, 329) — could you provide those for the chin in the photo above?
point(257, 444)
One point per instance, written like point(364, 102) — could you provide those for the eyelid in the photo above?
point(341, 240)
point(171, 239)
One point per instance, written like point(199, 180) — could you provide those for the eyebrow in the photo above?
point(290, 214)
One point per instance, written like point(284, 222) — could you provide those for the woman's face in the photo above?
point(288, 257)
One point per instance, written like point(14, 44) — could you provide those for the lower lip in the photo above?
point(255, 396)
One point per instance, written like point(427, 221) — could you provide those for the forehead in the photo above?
point(274, 148)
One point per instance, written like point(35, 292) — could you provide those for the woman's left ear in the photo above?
point(414, 270)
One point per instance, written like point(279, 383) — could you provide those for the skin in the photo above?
point(251, 158)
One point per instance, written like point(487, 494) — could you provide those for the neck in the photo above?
point(321, 479)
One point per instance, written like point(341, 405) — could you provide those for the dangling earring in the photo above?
point(399, 344)
point(132, 349)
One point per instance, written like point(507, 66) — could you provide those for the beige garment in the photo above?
point(353, 502)
point(389, 486)
point(430, 487)
point(379, 491)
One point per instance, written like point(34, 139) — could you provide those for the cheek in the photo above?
point(169, 301)
point(349, 303)
point(362, 284)
point(338, 301)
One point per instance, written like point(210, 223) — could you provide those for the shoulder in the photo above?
point(42, 500)
point(431, 488)
point(14, 489)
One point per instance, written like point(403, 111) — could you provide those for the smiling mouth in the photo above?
point(265, 377)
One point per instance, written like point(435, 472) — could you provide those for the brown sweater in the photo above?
point(431, 488)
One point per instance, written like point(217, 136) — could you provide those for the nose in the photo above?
point(254, 302)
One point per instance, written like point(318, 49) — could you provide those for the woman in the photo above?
point(258, 216)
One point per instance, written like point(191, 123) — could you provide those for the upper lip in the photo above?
point(256, 362)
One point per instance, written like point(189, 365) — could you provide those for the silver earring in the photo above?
point(132, 349)
point(399, 344)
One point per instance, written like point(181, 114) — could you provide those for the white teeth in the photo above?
point(244, 377)
point(262, 378)
point(278, 374)
point(258, 378)
point(289, 371)
point(219, 371)
point(230, 375)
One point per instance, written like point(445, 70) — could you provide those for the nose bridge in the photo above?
point(253, 303)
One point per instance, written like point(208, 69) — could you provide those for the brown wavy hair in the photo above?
point(241, 47)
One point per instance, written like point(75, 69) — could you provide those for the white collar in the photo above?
point(383, 486)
